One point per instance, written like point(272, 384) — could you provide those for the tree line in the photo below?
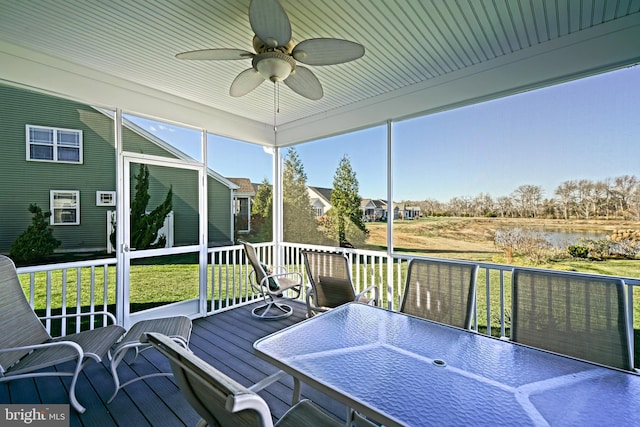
point(343, 225)
point(617, 197)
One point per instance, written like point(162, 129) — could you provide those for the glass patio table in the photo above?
point(402, 370)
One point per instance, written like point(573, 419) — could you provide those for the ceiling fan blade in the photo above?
point(270, 22)
point(305, 83)
point(327, 51)
point(216, 54)
point(245, 82)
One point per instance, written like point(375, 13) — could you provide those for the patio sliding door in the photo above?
point(162, 243)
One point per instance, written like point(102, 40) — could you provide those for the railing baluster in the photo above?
point(502, 304)
point(48, 307)
point(105, 292)
point(487, 282)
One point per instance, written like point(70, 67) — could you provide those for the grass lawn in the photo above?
point(457, 238)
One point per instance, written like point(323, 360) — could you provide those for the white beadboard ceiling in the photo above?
point(421, 56)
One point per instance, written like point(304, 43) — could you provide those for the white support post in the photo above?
point(204, 223)
point(278, 220)
point(389, 216)
point(122, 297)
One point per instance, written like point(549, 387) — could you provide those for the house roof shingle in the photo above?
point(244, 185)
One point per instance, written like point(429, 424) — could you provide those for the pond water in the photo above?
point(562, 239)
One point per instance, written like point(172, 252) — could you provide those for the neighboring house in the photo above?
point(320, 200)
point(374, 209)
point(405, 211)
point(242, 198)
point(60, 155)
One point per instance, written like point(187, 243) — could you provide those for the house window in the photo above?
point(49, 144)
point(318, 211)
point(105, 198)
point(65, 207)
point(242, 214)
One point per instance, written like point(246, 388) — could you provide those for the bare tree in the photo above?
point(585, 198)
point(634, 203)
point(482, 204)
point(623, 188)
point(528, 200)
point(431, 207)
point(600, 198)
point(575, 198)
point(566, 193)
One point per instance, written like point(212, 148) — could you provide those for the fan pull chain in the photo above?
point(276, 110)
point(276, 106)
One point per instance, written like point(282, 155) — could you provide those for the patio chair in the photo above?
point(330, 283)
point(178, 328)
point(271, 285)
point(440, 290)
point(221, 401)
point(576, 315)
point(26, 348)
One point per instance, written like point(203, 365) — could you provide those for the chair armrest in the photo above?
point(267, 381)
point(72, 344)
point(308, 293)
point(95, 313)
point(376, 293)
point(293, 276)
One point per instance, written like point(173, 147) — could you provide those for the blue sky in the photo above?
point(585, 129)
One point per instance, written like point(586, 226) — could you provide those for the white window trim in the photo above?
point(77, 207)
point(55, 144)
point(99, 195)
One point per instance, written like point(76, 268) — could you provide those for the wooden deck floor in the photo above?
point(224, 340)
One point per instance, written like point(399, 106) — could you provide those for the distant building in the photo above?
point(405, 211)
point(374, 210)
point(320, 199)
point(242, 198)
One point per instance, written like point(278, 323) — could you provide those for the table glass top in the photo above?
point(411, 370)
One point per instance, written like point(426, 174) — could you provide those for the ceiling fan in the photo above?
point(277, 54)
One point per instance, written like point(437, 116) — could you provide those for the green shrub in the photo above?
point(37, 241)
point(578, 251)
point(599, 249)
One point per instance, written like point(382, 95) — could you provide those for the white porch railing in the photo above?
point(70, 288)
point(89, 286)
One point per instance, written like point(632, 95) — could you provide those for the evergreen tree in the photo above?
point(262, 213)
point(345, 213)
point(145, 226)
point(300, 225)
point(37, 241)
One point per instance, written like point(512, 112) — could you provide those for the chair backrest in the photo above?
point(330, 278)
point(218, 399)
point(19, 325)
point(442, 291)
point(252, 256)
point(577, 315)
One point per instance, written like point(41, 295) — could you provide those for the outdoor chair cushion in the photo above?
point(273, 283)
point(334, 291)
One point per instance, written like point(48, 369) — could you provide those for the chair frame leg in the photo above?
point(138, 347)
point(262, 311)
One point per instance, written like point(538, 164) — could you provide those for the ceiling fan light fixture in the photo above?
point(274, 66)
